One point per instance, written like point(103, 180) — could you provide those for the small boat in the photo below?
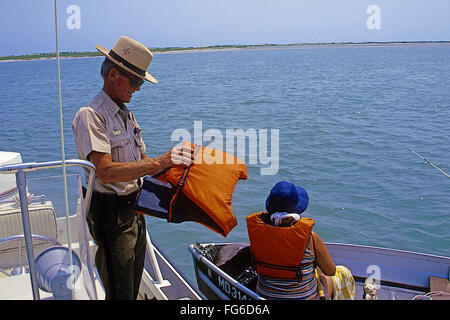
point(224, 272)
point(47, 255)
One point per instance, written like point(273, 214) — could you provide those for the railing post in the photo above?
point(151, 252)
point(22, 186)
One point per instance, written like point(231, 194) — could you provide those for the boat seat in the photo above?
point(42, 221)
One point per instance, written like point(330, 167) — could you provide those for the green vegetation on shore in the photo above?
point(34, 56)
point(216, 47)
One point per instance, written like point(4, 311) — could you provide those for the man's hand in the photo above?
point(182, 155)
point(109, 171)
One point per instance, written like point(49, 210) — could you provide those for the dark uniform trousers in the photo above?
point(120, 235)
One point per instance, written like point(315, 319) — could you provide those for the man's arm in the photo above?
point(109, 171)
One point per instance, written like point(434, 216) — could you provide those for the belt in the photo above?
point(114, 200)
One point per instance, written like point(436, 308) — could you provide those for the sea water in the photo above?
point(347, 117)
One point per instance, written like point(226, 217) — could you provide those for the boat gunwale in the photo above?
point(375, 248)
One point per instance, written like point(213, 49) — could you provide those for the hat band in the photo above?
point(126, 63)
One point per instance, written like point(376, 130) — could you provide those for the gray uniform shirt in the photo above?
point(104, 127)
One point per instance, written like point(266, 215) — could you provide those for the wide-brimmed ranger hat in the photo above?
point(287, 197)
point(130, 55)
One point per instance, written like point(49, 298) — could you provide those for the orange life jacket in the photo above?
point(209, 182)
point(278, 251)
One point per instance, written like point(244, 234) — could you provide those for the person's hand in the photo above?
point(182, 155)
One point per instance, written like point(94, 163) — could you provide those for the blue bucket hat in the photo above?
point(286, 197)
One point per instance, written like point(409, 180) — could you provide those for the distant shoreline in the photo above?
point(91, 54)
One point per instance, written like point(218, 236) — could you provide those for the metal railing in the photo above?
point(20, 170)
point(20, 238)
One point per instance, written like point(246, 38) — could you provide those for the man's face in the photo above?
point(124, 85)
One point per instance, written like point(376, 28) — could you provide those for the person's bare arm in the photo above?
point(323, 258)
point(109, 171)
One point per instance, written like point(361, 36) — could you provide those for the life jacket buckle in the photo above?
point(299, 274)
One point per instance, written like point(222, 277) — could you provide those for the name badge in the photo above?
point(117, 132)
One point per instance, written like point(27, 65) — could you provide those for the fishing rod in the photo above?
point(430, 163)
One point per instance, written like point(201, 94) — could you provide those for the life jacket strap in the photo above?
point(296, 269)
point(180, 184)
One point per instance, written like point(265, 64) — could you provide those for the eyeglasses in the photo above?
point(134, 81)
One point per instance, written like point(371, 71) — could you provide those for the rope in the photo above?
point(66, 200)
point(430, 294)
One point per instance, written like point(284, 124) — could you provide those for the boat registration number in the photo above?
point(230, 290)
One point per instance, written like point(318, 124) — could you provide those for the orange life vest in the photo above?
point(209, 183)
point(278, 251)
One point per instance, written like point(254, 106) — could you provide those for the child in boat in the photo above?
point(286, 251)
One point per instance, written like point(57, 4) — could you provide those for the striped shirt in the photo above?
point(306, 289)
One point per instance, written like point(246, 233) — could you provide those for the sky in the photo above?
point(28, 26)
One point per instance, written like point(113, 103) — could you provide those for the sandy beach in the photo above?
point(250, 47)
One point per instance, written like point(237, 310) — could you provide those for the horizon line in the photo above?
point(29, 56)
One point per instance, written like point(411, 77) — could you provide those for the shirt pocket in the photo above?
point(118, 153)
